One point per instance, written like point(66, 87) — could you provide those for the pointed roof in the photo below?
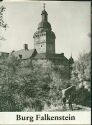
point(24, 54)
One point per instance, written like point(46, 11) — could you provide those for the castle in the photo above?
point(44, 46)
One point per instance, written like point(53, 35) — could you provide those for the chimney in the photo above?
point(26, 46)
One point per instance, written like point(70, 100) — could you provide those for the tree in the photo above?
point(81, 77)
point(22, 87)
point(3, 25)
point(82, 69)
point(9, 100)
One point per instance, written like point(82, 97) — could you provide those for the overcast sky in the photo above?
point(70, 22)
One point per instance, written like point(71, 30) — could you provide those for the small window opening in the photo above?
point(20, 56)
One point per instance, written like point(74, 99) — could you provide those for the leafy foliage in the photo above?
point(81, 77)
point(29, 86)
point(3, 25)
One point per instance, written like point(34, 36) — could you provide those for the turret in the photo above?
point(71, 61)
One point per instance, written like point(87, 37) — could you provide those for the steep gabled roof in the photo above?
point(24, 54)
point(32, 53)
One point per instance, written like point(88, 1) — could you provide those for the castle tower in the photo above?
point(44, 37)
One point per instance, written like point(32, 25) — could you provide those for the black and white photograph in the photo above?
point(45, 56)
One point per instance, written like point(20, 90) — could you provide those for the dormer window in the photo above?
point(20, 56)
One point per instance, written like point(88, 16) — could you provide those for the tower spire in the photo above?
point(44, 14)
point(44, 6)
